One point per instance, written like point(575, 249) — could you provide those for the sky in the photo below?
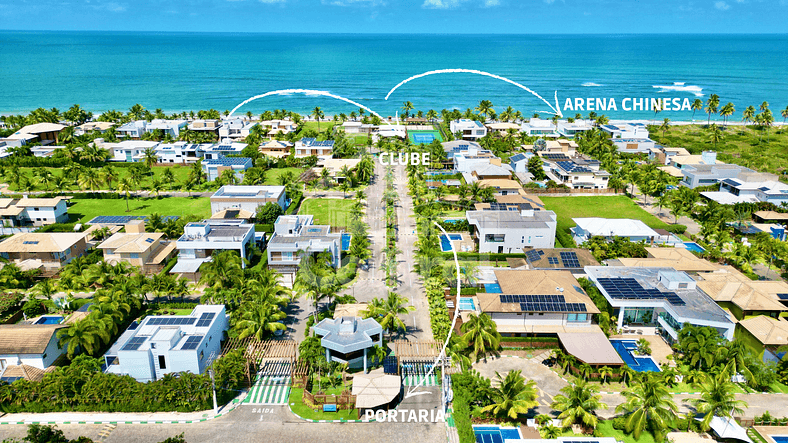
point(400, 16)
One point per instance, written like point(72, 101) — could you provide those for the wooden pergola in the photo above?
point(259, 352)
point(426, 351)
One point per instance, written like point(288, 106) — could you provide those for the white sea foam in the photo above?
point(591, 84)
point(681, 87)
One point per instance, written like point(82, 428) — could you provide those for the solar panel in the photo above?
point(630, 289)
point(205, 319)
point(570, 259)
point(192, 342)
point(149, 240)
point(533, 255)
point(782, 296)
point(552, 260)
point(133, 344)
point(390, 365)
point(570, 166)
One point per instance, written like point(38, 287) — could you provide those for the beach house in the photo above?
point(468, 129)
point(247, 198)
point(31, 345)
point(44, 133)
point(569, 130)
point(170, 128)
point(33, 211)
point(626, 130)
point(130, 150)
point(279, 127)
point(169, 344)
point(178, 153)
point(201, 239)
point(148, 251)
point(578, 173)
point(43, 249)
point(536, 127)
point(205, 125)
point(610, 228)
point(296, 235)
point(235, 128)
point(312, 147)
point(634, 145)
point(213, 168)
point(504, 231)
point(276, 148)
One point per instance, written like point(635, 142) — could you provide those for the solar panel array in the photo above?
point(227, 161)
point(390, 365)
point(133, 344)
point(782, 296)
point(171, 321)
point(630, 289)
point(192, 342)
point(552, 260)
point(570, 166)
point(205, 319)
point(543, 303)
point(570, 259)
point(533, 255)
point(123, 219)
point(555, 157)
point(501, 207)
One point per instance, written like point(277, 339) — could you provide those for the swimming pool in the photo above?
point(495, 434)
point(694, 247)
point(467, 304)
point(346, 241)
point(446, 241)
point(625, 348)
point(780, 438)
point(453, 220)
point(492, 288)
point(49, 320)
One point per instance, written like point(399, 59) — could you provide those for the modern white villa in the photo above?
point(247, 198)
point(536, 127)
point(610, 228)
point(503, 231)
point(295, 235)
point(201, 239)
point(470, 129)
point(168, 344)
point(213, 168)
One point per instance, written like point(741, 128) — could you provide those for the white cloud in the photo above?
point(353, 2)
point(451, 4)
point(722, 6)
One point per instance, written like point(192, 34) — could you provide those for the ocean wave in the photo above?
point(680, 87)
point(591, 84)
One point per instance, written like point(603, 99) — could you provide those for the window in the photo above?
point(3, 363)
point(202, 355)
point(162, 362)
point(683, 285)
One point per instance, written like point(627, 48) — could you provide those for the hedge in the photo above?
point(461, 413)
point(468, 291)
point(564, 238)
point(676, 229)
point(480, 256)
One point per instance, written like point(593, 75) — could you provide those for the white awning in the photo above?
point(728, 428)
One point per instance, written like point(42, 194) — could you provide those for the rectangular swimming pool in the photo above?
point(346, 241)
point(780, 438)
point(49, 320)
point(694, 247)
point(492, 288)
point(495, 434)
point(446, 241)
point(467, 304)
point(625, 349)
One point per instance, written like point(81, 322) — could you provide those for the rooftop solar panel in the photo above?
point(205, 319)
point(552, 260)
point(782, 296)
point(192, 342)
point(570, 259)
point(133, 344)
point(533, 255)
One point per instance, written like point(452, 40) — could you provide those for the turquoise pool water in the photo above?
point(346, 241)
point(49, 320)
point(446, 241)
point(492, 288)
point(625, 348)
point(694, 247)
point(495, 434)
point(467, 304)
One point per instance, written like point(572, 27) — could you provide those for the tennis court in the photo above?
point(424, 137)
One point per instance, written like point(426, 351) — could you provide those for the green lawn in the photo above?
point(272, 175)
point(328, 211)
point(605, 427)
point(325, 126)
point(179, 171)
point(617, 206)
point(83, 209)
point(762, 149)
point(304, 411)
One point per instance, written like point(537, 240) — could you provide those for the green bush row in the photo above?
point(461, 412)
point(485, 256)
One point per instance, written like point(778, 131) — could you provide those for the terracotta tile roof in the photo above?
point(593, 349)
point(534, 282)
point(131, 243)
point(679, 259)
point(41, 241)
point(26, 339)
point(30, 373)
point(39, 202)
point(767, 330)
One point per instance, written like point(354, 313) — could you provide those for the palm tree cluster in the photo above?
point(390, 199)
point(387, 311)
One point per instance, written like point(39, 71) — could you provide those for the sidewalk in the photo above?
point(97, 418)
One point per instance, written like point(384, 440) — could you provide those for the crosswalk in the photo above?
point(414, 380)
point(272, 386)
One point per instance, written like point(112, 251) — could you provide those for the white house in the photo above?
point(537, 127)
point(178, 152)
point(205, 125)
point(169, 344)
point(519, 162)
point(771, 191)
point(294, 233)
point(282, 127)
point(32, 345)
point(213, 168)
point(578, 174)
point(511, 231)
point(569, 130)
point(221, 150)
point(235, 128)
point(201, 239)
point(626, 130)
point(634, 145)
point(43, 211)
point(131, 150)
point(658, 296)
point(610, 228)
point(311, 146)
point(167, 127)
point(470, 129)
point(247, 198)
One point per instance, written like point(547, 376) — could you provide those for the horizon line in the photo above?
point(390, 33)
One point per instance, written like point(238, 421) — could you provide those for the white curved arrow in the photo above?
point(556, 109)
point(307, 92)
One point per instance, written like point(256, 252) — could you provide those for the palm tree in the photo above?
point(605, 372)
point(109, 175)
point(149, 157)
point(697, 105)
point(512, 396)
point(715, 135)
point(718, 398)
point(259, 320)
point(726, 112)
point(125, 186)
point(82, 335)
point(648, 405)
point(481, 333)
point(712, 105)
point(550, 432)
point(387, 311)
point(748, 115)
point(784, 115)
point(665, 126)
point(578, 404)
point(317, 113)
point(407, 107)
point(223, 271)
point(484, 108)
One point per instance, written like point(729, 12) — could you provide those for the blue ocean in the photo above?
point(191, 71)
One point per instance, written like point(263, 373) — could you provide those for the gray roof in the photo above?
point(509, 219)
point(698, 305)
point(347, 334)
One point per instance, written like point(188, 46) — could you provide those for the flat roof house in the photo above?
point(132, 130)
point(131, 150)
point(663, 155)
point(31, 345)
point(509, 232)
point(33, 211)
point(569, 130)
point(578, 174)
point(626, 130)
point(537, 127)
point(52, 249)
point(247, 198)
point(282, 127)
point(294, 233)
point(168, 344)
point(661, 296)
point(201, 239)
point(235, 128)
point(634, 145)
point(771, 191)
point(148, 251)
point(167, 127)
point(178, 153)
point(307, 147)
point(610, 228)
point(221, 150)
point(347, 339)
point(710, 174)
point(469, 129)
point(205, 125)
point(503, 128)
point(213, 168)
